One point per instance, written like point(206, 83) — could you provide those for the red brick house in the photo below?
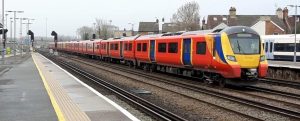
point(263, 24)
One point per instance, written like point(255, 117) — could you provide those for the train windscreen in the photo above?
point(245, 43)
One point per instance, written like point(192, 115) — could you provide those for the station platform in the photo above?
point(39, 90)
point(286, 64)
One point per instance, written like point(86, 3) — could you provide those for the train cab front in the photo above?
point(246, 54)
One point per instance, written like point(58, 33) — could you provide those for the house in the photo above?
point(124, 33)
point(169, 27)
point(263, 24)
point(148, 28)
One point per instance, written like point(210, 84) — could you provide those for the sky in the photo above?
point(65, 16)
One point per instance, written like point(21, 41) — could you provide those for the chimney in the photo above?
point(232, 12)
point(279, 13)
point(285, 13)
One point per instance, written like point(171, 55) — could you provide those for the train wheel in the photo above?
point(222, 83)
point(152, 68)
point(206, 82)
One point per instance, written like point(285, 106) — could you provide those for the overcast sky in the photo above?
point(65, 16)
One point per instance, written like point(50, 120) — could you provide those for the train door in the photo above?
point(121, 49)
point(107, 48)
point(152, 50)
point(93, 47)
point(269, 48)
point(186, 56)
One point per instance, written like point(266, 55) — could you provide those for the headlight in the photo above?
point(231, 58)
point(262, 58)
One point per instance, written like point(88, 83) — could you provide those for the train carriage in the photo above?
point(144, 51)
point(115, 49)
point(89, 47)
point(76, 46)
point(104, 49)
point(232, 55)
point(81, 47)
point(96, 45)
point(128, 52)
point(281, 47)
point(167, 51)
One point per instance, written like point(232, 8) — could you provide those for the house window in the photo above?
point(201, 48)
point(139, 47)
point(144, 46)
point(162, 47)
point(215, 18)
point(173, 47)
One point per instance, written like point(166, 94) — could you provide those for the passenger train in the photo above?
point(233, 55)
point(281, 47)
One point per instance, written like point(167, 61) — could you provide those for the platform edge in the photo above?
point(58, 111)
point(125, 112)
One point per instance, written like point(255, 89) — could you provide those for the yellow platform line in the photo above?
point(58, 111)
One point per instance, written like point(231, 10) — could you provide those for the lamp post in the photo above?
point(132, 32)
point(6, 20)
point(11, 21)
point(46, 29)
point(28, 23)
point(15, 12)
point(2, 38)
point(295, 44)
point(21, 31)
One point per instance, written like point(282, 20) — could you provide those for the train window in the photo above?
point(271, 47)
point(267, 46)
point(126, 46)
point(173, 47)
point(139, 48)
point(130, 47)
point(116, 46)
point(162, 47)
point(144, 46)
point(112, 46)
point(201, 48)
point(286, 47)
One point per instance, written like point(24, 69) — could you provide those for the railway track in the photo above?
point(280, 82)
point(266, 107)
point(275, 92)
point(145, 106)
point(253, 88)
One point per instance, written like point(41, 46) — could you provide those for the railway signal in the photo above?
point(4, 36)
point(53, 33)
point(31, 37)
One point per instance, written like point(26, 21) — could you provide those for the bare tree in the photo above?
point(187, 17)
point(104, 29)
point(85, 32)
